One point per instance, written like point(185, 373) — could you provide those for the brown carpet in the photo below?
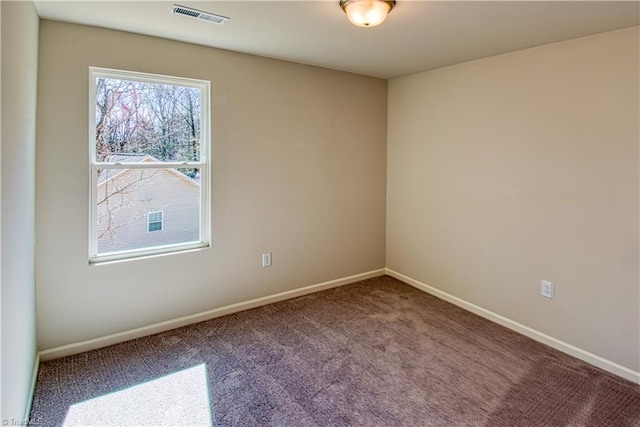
point(374, 353)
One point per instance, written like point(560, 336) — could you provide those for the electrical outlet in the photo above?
point(266, 259)
point(546, 289)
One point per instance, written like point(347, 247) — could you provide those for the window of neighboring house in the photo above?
point(149, 156)
point(154, 221)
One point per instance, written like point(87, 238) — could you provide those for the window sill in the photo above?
point(158, 252)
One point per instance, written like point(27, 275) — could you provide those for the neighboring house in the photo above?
point(139, 208)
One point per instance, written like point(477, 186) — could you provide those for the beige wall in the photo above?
point(501, 172)
point(19, 82)
point(298, 169)
point(520, 167)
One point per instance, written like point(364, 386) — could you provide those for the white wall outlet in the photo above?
point(266, 259)
point(546, 289)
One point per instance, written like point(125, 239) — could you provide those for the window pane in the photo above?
point(155, 226)
point(157, 122)
point(154, 221)
point(145, 208)
point(155, 216)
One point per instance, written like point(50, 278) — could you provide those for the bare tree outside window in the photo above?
point(147, 158)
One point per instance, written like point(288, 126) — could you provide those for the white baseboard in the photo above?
point(69, 349)
point(569, 349)
point(96, 343)
point(32, 390)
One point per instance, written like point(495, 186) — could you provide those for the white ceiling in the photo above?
point(417, 35)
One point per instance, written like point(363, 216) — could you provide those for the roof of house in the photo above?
point(105, 175)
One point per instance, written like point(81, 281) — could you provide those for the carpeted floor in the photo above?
point(374, 353)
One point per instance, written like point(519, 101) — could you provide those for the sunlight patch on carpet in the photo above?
point(177, 399)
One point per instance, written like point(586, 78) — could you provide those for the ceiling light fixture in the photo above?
point(367, 13)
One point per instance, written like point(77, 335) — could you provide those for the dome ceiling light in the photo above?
point(367, 13)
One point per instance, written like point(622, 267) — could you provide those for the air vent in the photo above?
point(198, 14)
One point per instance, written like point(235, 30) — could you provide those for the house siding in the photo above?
point(122, 217)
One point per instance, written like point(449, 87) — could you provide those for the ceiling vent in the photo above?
point(198, 14)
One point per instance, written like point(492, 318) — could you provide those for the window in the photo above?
point(149, 156)
point(154, 221)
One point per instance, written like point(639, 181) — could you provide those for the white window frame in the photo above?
point(203, 165)
point(149, 222)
